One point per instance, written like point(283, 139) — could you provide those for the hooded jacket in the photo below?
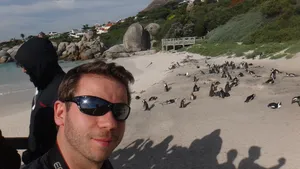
point(38, 57)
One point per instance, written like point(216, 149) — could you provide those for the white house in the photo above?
point(104, 28)
point(75, 33)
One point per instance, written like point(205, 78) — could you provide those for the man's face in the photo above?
point(95, 137)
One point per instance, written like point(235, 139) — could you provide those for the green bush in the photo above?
point(238, 28)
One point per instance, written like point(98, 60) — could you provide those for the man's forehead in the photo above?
point(102, 86)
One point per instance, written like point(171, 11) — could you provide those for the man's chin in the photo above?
point(100, 156)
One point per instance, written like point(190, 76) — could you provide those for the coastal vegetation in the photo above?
point(226, 26)
point(262, 26)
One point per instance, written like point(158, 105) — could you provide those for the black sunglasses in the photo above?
point(95, 106)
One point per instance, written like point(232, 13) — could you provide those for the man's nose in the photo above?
point(108, 121)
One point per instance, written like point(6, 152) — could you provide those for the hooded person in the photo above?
point(37, 57)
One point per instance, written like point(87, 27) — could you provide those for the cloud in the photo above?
point(56, 5)
point(62, 15)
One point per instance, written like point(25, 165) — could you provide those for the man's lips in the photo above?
point(103, 139)
point(105, 142)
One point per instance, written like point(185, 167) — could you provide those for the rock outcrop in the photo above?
point(87, 48)
point(5, 57)
point(136, 38)
point(117, 51)
point(153, 29)
point(13, 51)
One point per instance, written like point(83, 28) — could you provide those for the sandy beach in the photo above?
point(200, 135)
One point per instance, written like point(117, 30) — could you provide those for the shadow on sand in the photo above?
point(202, 154)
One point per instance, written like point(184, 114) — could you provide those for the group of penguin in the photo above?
point(232, 82)
point(235, 81)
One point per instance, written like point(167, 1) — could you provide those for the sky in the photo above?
point(33, 16)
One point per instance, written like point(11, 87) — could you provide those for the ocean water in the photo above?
point(13, 80)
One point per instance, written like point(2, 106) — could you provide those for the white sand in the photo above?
point(241, 125)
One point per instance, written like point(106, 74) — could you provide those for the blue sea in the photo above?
point(13, 80)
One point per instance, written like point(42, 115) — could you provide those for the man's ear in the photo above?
point(60, 113)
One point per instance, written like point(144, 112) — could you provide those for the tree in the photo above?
point(22, 36)
point(85, 27)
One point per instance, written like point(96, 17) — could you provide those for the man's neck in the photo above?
point(74, 159)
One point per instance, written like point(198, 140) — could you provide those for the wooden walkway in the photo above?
point(177, 42)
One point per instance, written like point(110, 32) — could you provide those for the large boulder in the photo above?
point(89, 36)
point(72, 49)
point(54, 45)
point(136, 38)
point(88, 54)
point(13, 51)
point(61, 48)
point(5, 49)
point(4, 56)
point(117, 51)
point(89, 50)
point(153, 29)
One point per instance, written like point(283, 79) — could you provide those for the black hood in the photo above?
point(38, 56)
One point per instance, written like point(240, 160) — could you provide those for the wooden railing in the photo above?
point(177, 42)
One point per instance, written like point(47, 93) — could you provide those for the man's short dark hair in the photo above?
point(69, 84)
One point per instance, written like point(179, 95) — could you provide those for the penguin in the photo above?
point(291, 75)
point(187, 74)
point(182, 103)
point(211, 91)
point(275, 105)
point(241, 74)
point(275, 70)
point(233, 66)
point(296, 100)
point(196, 79)
point(251, 72)
point(273, 75)
point(166, 87)
point(229, 76)
point(224, 75)
point(249, 98)
point(246, 65)
point(202, 72)
point(178, 64)
point(235, 79)
point(196, 88)
point(152, 98)
point(220, 93)
point(170, 101)
point(227, 87)
point(226, 94)
point(270, 81)
point(216, 83)
point(233, 84)
point(145, 105)
point(137, 97)
point(192, 97)
point(198, 67)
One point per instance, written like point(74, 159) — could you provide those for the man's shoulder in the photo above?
point(40, 163)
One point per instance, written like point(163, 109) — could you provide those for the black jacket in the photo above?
point(38, 57)
point(54, 160)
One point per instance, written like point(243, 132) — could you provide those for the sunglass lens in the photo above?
point(93, 107)
point(121, 111)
